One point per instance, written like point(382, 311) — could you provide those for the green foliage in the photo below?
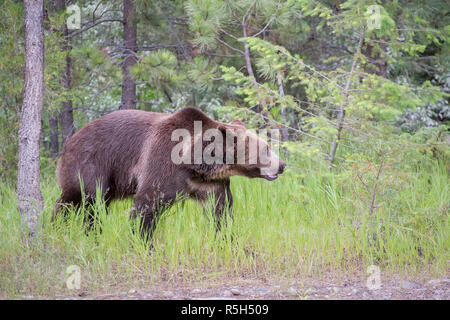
point(371, 98)
point(200, 72)
point(315, 8)
point(206, 16)
point(157, 68)
point(384, 100)
point(11, 84)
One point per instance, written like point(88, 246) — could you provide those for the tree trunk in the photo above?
point(66, 120)
point(54, 141)
point(341, 113)
point(29, 196)
point(248, 64)
point(374, 56)
point(66, 114)
point(284, 129)
point(129, 55)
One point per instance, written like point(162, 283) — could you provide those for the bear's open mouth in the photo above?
point(270, 177)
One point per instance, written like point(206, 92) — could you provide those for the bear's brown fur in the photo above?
point(128, 153)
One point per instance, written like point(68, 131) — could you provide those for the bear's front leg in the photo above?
point(223, 202)
point(223, 199)
point(148, 206)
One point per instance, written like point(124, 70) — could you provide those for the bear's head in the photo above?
point(216, 150)
point(247, 154)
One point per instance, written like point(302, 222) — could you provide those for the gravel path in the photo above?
point(431, 289)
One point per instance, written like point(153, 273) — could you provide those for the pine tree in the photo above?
point(30, 201)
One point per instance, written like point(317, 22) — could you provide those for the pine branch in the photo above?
point(341, 114)
point(79, 31)
point(229, 46)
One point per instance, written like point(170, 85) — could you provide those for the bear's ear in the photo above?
point(238, 122)
point(226, 131)
point(223, 129)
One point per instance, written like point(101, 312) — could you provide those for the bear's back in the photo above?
point(109, 145)
point(118, 127)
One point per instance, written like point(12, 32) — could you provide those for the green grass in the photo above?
point(303, 224)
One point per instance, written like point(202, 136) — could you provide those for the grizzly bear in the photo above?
point(138, 153)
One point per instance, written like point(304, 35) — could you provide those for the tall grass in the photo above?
point(303, 224)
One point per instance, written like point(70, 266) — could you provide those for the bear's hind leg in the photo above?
point(148, 206)
point(100, 185)
point(66, 199)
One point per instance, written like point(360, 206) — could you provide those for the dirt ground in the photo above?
point(394, 288)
